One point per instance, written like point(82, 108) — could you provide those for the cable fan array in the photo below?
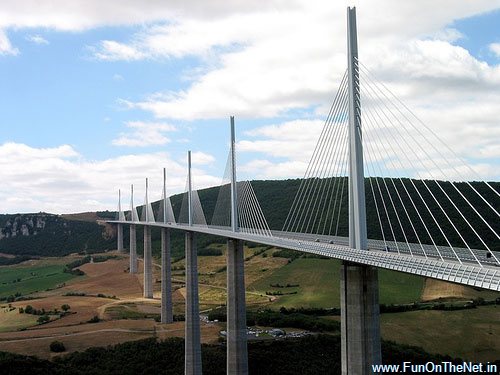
point(250, 216)
point(420, 214)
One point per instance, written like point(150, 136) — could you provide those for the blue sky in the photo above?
point(95, 97)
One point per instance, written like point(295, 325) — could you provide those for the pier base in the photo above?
point(166, 278)
point(133, 249)
point(119, 235)
point(237, 355)
point(192, 359)
point(148, 264)
point(360, 319)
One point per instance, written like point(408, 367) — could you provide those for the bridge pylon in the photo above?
point(119, 227)
point(192, 358)
point(166, 266)
point(148, 260)
point(237, 354)
point(133, 233)
point(360, 323)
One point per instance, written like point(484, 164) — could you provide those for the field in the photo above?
point(11, 320)
point(115, 297)
point(469, 334)
point(318, 283)
point(25, 279)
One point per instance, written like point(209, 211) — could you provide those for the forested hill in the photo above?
point(43, 234)
point(276, 198)
point(55, 235)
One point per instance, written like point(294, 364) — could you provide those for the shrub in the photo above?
point(43, 319)
point(94, 319)
point(57, 347)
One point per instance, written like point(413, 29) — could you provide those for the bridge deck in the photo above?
point(414, 262)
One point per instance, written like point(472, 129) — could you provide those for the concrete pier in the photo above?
point(192, 361)
point(166, 278)
point(360, 319)
point(237, 355)
point(133, 249)
point(148, 264)
point(119, 235)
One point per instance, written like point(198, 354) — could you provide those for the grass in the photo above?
point(29, 279)
point(128, 311)
point(11, 320)
point(319, 283)
point(469, 334)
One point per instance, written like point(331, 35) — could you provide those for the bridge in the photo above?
point(438, 229)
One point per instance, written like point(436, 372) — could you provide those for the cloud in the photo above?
point(495, 48)
point(5, 45)
point(144, 134)
point(113, 51)
point(59, 180)
point(37, 39)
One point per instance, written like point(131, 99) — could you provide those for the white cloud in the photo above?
point(58, 180)
point(118, 77)
point(495, 48)
point(201, 158)
point(5, 45)
point(144, 134)
point(37, 39)
point(113, 51)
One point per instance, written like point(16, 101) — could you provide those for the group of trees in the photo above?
point(44, 316)
point(314, 354)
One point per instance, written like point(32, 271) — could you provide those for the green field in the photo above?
point(470, 334)
point(25, 280)
point(319, 282)
point(11, 320)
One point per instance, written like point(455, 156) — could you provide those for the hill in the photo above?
point(55, 235)
point(44, 234)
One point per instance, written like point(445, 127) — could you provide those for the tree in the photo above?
point(43, 319)
point(28, 309)
point(57, 347)
point(65, 307)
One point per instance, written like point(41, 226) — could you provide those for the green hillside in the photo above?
point(59, 236)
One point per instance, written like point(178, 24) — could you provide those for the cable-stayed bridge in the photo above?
point(435, 225)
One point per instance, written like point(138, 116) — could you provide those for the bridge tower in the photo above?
point(119, 227)
point(192, 358)
point(148, 261)
point(237, 355)
point(133, 233)
point(166, 270)
point(360, 325)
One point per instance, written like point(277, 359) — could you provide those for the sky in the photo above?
point(98, 95)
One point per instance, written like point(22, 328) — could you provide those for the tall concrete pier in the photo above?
point(166, 278)
point(237, 356)
point(119, 234)
point(166, 266)
point(148, 264)
point(133, 233)
point(360, 325)
point(192, 364)
point(133, 249)
point(192, 359)
point(119, 227)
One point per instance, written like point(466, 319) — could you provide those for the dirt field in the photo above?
point(435, 289)
point(22, 335)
